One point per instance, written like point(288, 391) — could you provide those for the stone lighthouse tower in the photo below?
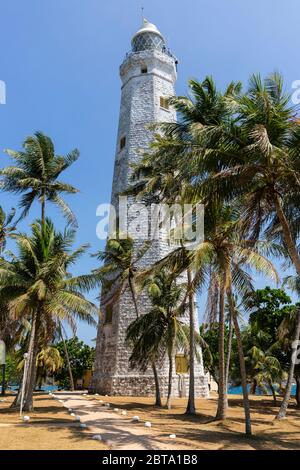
point(148, 75)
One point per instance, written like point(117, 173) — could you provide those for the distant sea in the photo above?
point(238, 390)
point(45, 388)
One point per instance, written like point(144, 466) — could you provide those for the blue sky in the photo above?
point(60, 59)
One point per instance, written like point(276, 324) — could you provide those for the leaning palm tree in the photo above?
point(35, 175)
point(37, 285)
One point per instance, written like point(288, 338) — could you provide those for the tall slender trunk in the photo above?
point(293, 253)
point(157, 386)
point(170, 379)
point(72, 387)
point(28, 397)
point(287, 395)
point(133, 294)
point(191, 409)
point(229, 349)
point(222, 400)
point(17, 400)
point(43, 208)
point(298, 390)
point(241, 356)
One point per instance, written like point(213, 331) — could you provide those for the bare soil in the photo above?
point(50, 427)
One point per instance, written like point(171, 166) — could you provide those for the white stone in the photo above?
point(148, 424)
point(116, 409)
point(135, 419)
point(73, 414)
point(83, 426)
point(172, 436)
point(97, 437)
point(124, 412)
point(26, 418)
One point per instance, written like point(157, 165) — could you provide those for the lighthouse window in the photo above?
point(164, 102)
point(181, 364)
point(122, 142)
point(144, 70)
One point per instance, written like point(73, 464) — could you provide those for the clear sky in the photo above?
point(60, 59)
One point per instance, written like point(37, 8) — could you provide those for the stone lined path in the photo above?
point(117, 431)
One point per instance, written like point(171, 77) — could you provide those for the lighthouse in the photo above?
point(148, 74)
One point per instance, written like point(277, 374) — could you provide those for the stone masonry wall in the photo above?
point(140, 107)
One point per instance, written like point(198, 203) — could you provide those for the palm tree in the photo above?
point(266, 369)
point(257, 159)
point(160, 331)
point(35, 175)
point(37, 285)
point(119, 268)
point(48, 361)
point(6, 227)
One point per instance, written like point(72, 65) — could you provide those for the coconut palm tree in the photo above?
point(260, 163)
point(37, 285)
point(120, 258)
point(161, 331)
point(267, 369)
point(48, 361)
point(35, 175)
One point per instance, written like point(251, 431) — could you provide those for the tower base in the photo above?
point(144, 386)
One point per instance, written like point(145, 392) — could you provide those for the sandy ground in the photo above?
point(201, 432)
point(51, 427)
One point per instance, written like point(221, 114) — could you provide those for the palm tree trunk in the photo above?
point(72, 387)
point(241, 357)
point(28, 401)
point(133, 294)
point(287, 395)
point(170, 380)
point(273, 393)
point(298, 390)
point(17, 400)
point(291, 246)
point(43, 209)
point(157, 386)
point(229, 349)
point(222, 400)
point(191, 409)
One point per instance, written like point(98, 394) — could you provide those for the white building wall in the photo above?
point(140, 107)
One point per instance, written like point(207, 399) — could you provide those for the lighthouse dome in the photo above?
point(147, 37)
